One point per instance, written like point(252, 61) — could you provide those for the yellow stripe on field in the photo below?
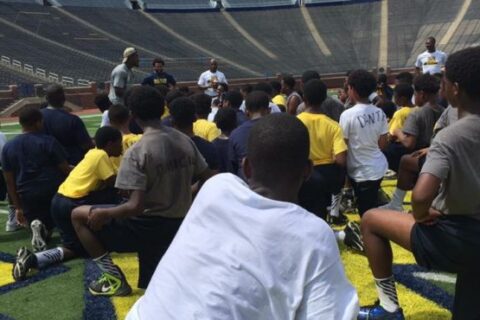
point(5, 273)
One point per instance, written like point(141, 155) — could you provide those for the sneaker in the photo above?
point(353, 237)
point(377, 312)
point(39, 236)
point(24, 261)
point(110, 285)
point(337, 221)
point(390, 175)
point(12, 224)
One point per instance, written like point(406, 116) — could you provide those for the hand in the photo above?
point(97, 218)
point(420, 153)
point(20, 217)
point(431, 218)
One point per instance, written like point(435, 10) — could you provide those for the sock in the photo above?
point(48, 257)
point(397, 199)
point(387, 293)
point(106, 264)
point(335, 207)
point(339, 235)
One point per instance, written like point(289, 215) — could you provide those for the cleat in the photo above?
point(110, 285)
point(12, 224)
point(377, 312)
point(39, 242)
point(353, 237)
point(23, 263)
point(337, 221)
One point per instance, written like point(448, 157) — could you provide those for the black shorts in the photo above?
point(394, 152)
point(36, 205)
point(453, 245)
point(150, 237)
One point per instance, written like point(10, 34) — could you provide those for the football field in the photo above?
point(60, 292)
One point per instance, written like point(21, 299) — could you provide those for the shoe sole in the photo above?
point(119, 293)
point(19, 271)
point(357, 243)
point(38, 241)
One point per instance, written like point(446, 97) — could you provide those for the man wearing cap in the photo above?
point(122, 75)
point(209, 80)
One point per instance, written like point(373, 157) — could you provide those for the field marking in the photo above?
point(454, 25)
point(383, 47)
point(315, 34)
point(197, 46)
point(435, 277)
point(248, 36)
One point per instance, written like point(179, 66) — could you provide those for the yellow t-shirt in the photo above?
point(280, 100)
point(398, 119)
point(88, 175)
point(128, 140)
point(326, 137)
point(206, 129)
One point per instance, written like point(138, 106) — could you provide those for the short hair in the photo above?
point(158, 60)
point(102, 101)
point(404, 77)
point(29, 116)
point(310, 75)
point(463, 67)
point(256, 101)
point(315, 92)
point(278, 146)
point(162, 89)
point(388, 108)
point(203, 104)
point(55, 95)
point(404, 90)
point(382, 78)
point(146, 103)
point(183, 112)
point(432, 38)
point(185, 90)
point(235, 98)
point(172, 95)
point(118, 114)
point(426, 83)
point(289, 81)
point(363, 82)
point(276, 85)
point(263, 86)
point(247, 88)
point(106, 134)
point(226, 119)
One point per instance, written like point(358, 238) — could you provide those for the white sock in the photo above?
point(335, 207)
point(397, 199)
point(339, 235)
point(387, 293)
point(48, 257)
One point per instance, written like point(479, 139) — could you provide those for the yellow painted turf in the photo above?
point(5, 273)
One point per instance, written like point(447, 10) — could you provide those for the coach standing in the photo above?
point(432, 60)
point(209, 80)
point(122, 76)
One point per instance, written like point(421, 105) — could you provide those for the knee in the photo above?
point(80, 215)
point(369, 219)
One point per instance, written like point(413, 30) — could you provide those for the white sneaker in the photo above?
point(39, 236)
point(12, 225)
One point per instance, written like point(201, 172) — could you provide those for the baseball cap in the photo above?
point(127, 53)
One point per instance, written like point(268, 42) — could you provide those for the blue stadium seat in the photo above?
point(96, 3)
point(179, 4)
point(241, 4)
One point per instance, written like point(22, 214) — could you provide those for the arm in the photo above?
point(292, 105)
point(341, 159)
point(407, 140)
point(133, 207)
point(383, 141)
point(423, 194)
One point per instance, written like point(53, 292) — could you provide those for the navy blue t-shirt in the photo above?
point(237, 147)
point(221, 145)
point(69, 130)
point(159, 79)
point(34, 158)
point(241, 117)
point(208, 151)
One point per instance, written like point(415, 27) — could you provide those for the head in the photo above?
point(461, 83)
point(310, 75)
point(213, 65)
point(361, 84)
point(388, 108)
point(404, 77)
point(276, 86)
point(265, 87)
point(109, 139)
point(233, 99)
point(226, 120)
point(246, 89)
point(162, 89)
point(203, 105)
point(221, 88)
point(55, 95)
point(430, 44)
point(314, 93)
point(257, 103)
point(382, 79)
point(402, 94)
point(426, 89)
point(102, 101)
point(173, 95)
point(30, 119)
point(183, 113)
point(119, 116)
point(158, 65)
point(277, 154)
point(288, 84)
point(146, 104)
point(131, 58)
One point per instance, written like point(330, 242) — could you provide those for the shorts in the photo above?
point(366, 193)
point(452, 245)
point(394, 152)
point(36, 205)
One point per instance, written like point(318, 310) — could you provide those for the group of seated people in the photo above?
point(226, 200)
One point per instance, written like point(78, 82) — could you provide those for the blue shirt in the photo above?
point(69, 130)
point(237, 147)
point(159, 79)
point(34, 158)
point(241, 117)
point(221, 145)
point(208, 151)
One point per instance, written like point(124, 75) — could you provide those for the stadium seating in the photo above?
point(96, 3)
point(242, 4)
point(178, 4)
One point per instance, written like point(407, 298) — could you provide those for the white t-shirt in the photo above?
point(239, 255)
point(273, 107)
point(431, 62)
point(105, 119)
point(362, 125)
point(121, 77)
point(208, 77)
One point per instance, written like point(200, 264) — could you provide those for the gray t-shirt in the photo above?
point(163, 163)
point(448, 116)
point(331, 107)
point(121, 77)
point(420, 123)
point(454, 158)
